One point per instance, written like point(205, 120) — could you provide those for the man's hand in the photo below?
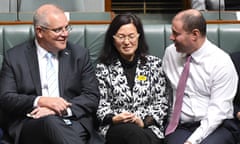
point(238, 115)
point(187, 142)
point(41, 112)
point(57, 104)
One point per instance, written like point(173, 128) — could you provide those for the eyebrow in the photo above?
point(62, 27)
point(124, 34)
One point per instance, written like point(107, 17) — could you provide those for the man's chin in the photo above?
point(178, 49)
point(59, 48)
point(62, 46)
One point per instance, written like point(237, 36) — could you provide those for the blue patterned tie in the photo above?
point(51, 76)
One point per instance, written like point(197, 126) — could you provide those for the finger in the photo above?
point(134, 119)
point(66, 103)
point(34, 111)
point(42, 112)
point(58, 106)
point(129, 119)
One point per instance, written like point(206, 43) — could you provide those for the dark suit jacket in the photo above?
point(236, 60)
point(20, 84)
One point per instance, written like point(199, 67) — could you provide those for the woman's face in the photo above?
point(126, 41)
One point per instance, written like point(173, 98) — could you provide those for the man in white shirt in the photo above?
point(210, 87)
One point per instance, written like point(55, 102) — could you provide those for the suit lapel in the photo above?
point(64, 66)
point(31, 56)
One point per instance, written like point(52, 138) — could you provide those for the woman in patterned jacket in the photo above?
point(134, 101)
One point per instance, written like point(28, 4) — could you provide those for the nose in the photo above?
point(64, 32)
point(126, 40)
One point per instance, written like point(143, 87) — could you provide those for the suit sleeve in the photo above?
point(83, 86)
point(13, 98)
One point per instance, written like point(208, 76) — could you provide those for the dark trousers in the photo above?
point(128, 133)
point(226, 133)
point(52, 130)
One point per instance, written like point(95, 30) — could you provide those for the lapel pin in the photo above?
point(66, 53)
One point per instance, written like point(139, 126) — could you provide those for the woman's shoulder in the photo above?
point(101, 66)
point(152, 58)
point(153, 61)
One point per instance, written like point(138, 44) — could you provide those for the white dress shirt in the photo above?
point(42, 61)
point(211, 87)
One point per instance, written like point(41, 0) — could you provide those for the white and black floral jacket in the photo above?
point(148, 97)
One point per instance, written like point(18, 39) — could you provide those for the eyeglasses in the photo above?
point(122, 38)
point(60, 30)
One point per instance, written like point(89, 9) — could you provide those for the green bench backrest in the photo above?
point(226, 36)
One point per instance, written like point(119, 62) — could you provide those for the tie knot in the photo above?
point(189, 57)
point(49, 55)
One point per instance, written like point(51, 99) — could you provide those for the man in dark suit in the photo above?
point(236, 60)
point(35, 115)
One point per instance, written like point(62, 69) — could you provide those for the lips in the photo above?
point(126, 48)
point(63, 41)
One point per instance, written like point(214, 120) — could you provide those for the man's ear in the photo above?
point(195, 34)
point(39, 31)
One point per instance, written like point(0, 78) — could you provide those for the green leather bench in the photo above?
point(227, 36)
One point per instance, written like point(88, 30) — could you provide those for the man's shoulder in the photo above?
point(21, 47)
point(76, 48)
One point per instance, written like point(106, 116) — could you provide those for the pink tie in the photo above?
point(179, 98)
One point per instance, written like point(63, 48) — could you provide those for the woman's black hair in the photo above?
point(109, 54)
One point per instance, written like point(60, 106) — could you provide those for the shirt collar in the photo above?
point(40, 51)
point(199, 54)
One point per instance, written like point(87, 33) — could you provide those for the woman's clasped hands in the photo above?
point(127, 117)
